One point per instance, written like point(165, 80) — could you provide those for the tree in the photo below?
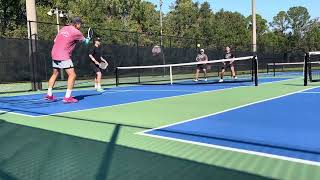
point(312, 35)
point(298, 20)
point(231, 29)
point(280, 23)
point(262, 24)
point(206, 22)
point(182, 20)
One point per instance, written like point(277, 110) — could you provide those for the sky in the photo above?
point(266, 8)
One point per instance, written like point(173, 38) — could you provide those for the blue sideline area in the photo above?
point(287, 126)
point(35, 105)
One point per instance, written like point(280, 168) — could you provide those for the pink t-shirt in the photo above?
point(65, 43)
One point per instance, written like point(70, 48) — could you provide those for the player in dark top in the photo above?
point(228, 55)
point(96, 58)
point(201, 57)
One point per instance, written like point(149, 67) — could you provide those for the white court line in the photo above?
point(309, 92)
point(158, 90)
point(215, 90)
point(144, 133)
point(238, 150)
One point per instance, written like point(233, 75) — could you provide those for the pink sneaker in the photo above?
point(70, 100)
point(50, 98)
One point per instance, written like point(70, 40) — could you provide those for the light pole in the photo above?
point(161, 31)
point(59, 14)
point(161, 37)
point(254, 28)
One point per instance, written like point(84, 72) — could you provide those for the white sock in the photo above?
point(49, 92)
point(68, 93)
point(96, 85)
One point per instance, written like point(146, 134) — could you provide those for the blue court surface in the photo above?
point(35, 105)
point(287, 126)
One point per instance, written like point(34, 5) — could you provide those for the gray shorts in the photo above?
point(66, 64)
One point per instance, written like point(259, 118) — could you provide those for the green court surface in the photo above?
point(104, 143)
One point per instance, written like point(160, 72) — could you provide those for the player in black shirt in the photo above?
point(96, 58)
point(228, 55)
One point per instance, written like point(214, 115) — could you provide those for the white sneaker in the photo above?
point(205, 79)
point(221, 80)
point(235, 77)
point(100, 90)
point(195, 80)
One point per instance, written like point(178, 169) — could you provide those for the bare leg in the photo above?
point(233, 71)
point(53, 78)
point(98, 80)
point(197, 74)
point(51, 83)
point(71, 79)
point(205, 73)
point(222, 73)
point(95, 82)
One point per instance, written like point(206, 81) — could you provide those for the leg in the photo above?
point(71, 79)
point(233, 71)
point(95, 82)
point(98, 77)
point(95, 69)
point(53, 78)
point(222, 74)
point(205, 74)
point(197, 74)
point(52, 81)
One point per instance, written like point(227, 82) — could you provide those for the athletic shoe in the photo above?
point(195, 80)
point(235, 77)
point(221, 80)
point(70, 100)
point(100, 90)
point(205, 79)
point(50, 98)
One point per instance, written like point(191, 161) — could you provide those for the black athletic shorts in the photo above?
point(95, 68)
point(227, 65)
point(201, 66)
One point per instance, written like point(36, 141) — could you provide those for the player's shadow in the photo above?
point(84, 96)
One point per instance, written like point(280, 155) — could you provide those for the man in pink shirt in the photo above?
point(64, 44)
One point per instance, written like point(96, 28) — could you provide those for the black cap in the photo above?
point(76, 20)
point(97, 39)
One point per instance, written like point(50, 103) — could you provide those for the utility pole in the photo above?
point(32, 34)
point(254, 28)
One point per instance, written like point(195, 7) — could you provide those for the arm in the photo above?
point(93, 59)
point(198, 58)
point(232, 56)
point(91, 53)
point(102, 59)
point(79, 37)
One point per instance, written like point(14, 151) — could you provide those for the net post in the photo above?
point(255, 62)
point(305, 69)
point(267, 68)
point(171, 78)
point(117, 77)
point(274, 69)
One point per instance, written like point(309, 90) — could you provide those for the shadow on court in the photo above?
point(31, 153)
